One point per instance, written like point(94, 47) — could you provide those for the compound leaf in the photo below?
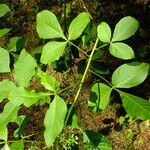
point(54, 120)
point(136, 106)
point(24, 68)
point(121, 50)
point(130, 74)
point(4, 9)
point(52, 51)
point(104, 32)
point(48, 26)
point(6, 86)
point(78, 25)
point(125, 28)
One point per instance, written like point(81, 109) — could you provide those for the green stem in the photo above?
point(78, 48)
point(82, 81)
point(104, 80)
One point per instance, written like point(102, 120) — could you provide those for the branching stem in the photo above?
point(82, 81)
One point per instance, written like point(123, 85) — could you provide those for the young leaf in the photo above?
point(4, 60)
point(52, 51)
point(49, 82)
point(74, 123)
point(4, 31)
point(17, 145)
point(136, 106)
point(24, 68)
point(48, 26)
point(23, 96)
point(4, 9)
point(78, 25)
point(95, 141)
point(125, 28)
point(99, 98)
point(6, 87)
point(104, 32)
point(121, 50)
point(130, 75)
point(15, 43)
point(54, 120)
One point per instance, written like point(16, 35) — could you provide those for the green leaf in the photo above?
point(130, 75)
point(27, 97)
point(3, 132)
point(6, 87)
point(121, 50)
point(49, 82)
point(4, 60)
point(24, 68)
point(9, 114)
point(22, 122)
point(99, 98)
point(4, 31)
point(15, 43)
point(125, 28)
point(48, 26)
point(74, 123)
point(104, 32)
point(54, 120)
point(52, 51)
point(78, 25)
point(136, 106)
point(17, 145)
point(6, 147)
point(4, 9)
point(95, 141)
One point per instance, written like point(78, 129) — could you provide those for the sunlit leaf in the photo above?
point(121, 50)
point(24, 96)
point(6, 86)
point(104, 32)
point(6, 147)
point(4, 60)
point(78, 25)
point(24, 68)
point(9, 114)
point(136, 106)
point(52, 51)
point(99, 98)
point(125, 28)
point(48, 26)
point(130, 74)
point(4, 9)
point(17, 145)
point(4, 31)
point(49, 82)
point(54, 120)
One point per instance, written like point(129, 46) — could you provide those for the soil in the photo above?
point(134, 136)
